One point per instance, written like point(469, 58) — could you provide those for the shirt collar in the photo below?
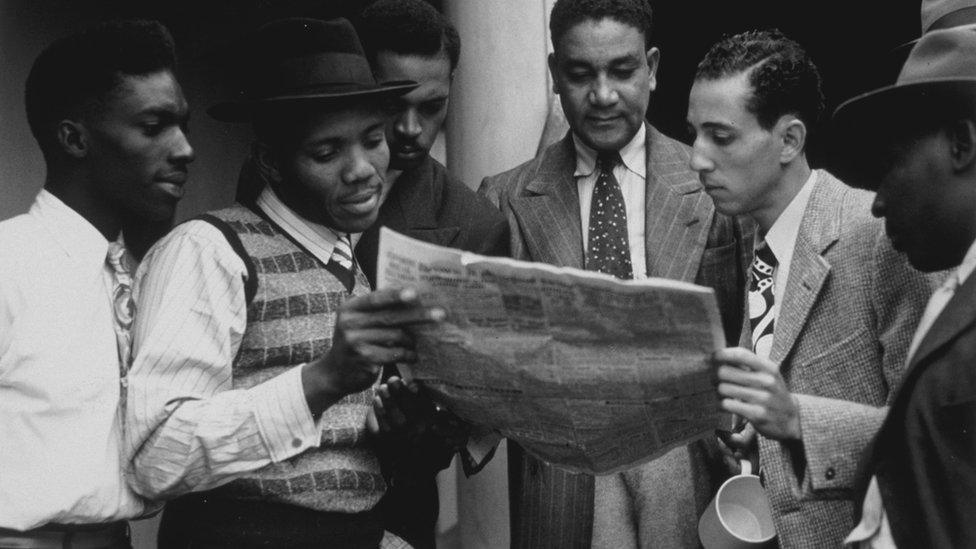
point(781, 237)
point(318, 239)
point(633, 154)
point(76, 235)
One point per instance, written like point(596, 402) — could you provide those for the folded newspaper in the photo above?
point(584, 371)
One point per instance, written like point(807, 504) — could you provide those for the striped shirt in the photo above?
point(190, 430)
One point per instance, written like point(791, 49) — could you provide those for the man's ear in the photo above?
point(962, 137)
point(793, 132)
point(653, 60)
point(73, 138)
point(553, 70)
point(266, 162)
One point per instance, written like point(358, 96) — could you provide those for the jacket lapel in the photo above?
point(819, 229)
point(410, 207)
point(678, 214)
point(959, 313)
point(548, 210)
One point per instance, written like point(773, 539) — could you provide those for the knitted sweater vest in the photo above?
point(290, 321)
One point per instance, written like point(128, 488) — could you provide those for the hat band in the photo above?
point(313, 71)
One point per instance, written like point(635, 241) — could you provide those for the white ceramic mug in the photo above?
point(738, 517)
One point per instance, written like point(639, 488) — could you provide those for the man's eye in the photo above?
point(622, 74)
point(432, 107)
point(722, 138)
point(577, 76)
point(152, 128)
point(323, 155)
point(374, 140)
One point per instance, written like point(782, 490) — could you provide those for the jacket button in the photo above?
point(830, 473)
point(296, 442)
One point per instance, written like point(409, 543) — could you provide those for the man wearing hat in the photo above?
point(917, 150)
point(259, 344)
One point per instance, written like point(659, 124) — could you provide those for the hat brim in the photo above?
point(243, 110)
point(876, 116)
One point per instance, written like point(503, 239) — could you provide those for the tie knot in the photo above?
point(116, 254)
point(608, 160)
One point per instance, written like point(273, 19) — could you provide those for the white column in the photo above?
point(499, 103)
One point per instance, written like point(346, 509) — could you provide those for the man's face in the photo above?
point(421, 112)
point(138, 151)
point(926, 215)
point(604, 78)
point(737, 160)
point(336, 173)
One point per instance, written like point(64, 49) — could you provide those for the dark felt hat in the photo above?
point(295, 61)
point(941, 67)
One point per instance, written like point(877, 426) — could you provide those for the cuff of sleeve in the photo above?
point(283, 417)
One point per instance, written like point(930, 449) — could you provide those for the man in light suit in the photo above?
point(561, 207)
point(832, 305)
point(921, 160)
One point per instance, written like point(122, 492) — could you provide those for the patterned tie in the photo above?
point(124, 308)
point(761, 313)
point(340, 263)
point(608, 249)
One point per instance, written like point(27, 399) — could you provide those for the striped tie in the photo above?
point(761, 301)
point(340, 263)
point(124, 309)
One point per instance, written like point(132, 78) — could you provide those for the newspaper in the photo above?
point(584, 371)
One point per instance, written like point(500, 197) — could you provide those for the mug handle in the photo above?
point(745, 467)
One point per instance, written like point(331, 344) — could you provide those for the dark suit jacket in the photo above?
point(925, 453)
point(849, 310)
point(429, 204)
point(685, 240)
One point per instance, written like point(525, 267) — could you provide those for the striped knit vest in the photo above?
point(290, 321)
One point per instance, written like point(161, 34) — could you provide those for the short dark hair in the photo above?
point(784, 79)
point(410, 27)
point(568, 13)
point(83, 67)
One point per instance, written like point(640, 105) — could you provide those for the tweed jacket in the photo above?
point(925, 453)
point(850, 307)
point(430, 204)
point(686, 239)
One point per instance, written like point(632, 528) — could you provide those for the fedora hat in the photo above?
point(298, 60)
point(941, 67)
point(942, 61)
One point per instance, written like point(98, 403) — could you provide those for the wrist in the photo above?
point(321, 389)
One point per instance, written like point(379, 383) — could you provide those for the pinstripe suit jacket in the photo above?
point(849, 311)
point(685, 240)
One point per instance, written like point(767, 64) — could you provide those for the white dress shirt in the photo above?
point(60, 434)
point(189, 429)
point(873, 531)
point(631, 175)
point(781, 239)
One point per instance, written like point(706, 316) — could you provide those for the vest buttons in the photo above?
point(296, 442)
point(830, 473)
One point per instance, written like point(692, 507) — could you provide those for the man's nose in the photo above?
point(359, 167)
point(603, 94)
point(699, 162)
point(408, 124)
point(182, 150)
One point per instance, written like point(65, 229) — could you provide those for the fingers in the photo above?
point(383, 299)
point(744, 359)
point(745, 438)
point(377, 355)
point(384, 337)
point(737, 376)
point(752, 412)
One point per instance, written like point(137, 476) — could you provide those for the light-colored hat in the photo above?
point(941, 66)
point(944, 14)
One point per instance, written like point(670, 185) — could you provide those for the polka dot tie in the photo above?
point(608, 250)
point(761, 301)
